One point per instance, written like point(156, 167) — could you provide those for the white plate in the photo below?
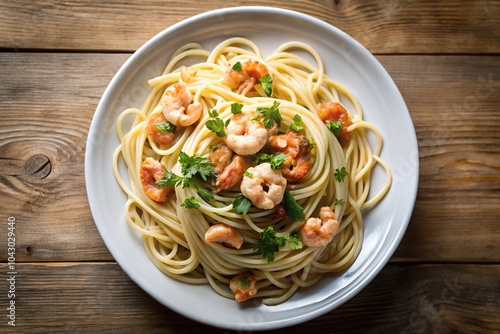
point(346, 61)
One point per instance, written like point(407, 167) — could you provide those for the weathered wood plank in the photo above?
point(453, 102)
point(47, 102)
point(458, 138)
point(400, 26)
point(99, 297)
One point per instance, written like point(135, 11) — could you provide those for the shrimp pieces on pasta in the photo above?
point(337, 118)
point(245, 136)
point(224, 234)
point(244, 286)
point(160, 131)
point(151, 171)
point(298, 149)
point(244, 76)
point(318, 232)
point(178, 106)
point(263, 186)
point(229, 167)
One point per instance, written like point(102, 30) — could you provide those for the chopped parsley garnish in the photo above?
point(243, 282)
point(190, 167)
point(213, 113)
point(296, 126)
point(241, 204)
point(170, 179)
point(339, 202)
point(191, 203)
point(271, 115)
point(276, 160)
point(165, 126)
point(293, 240)
point(236, 108)
point(266, 83)
point(340, 174)
point(216, 124)
point(247, 174)
point(334, 126)
point(193, 165)
point(269, 243)
point(292, 208)
point(237, 67)
point(205, 194)
point(312, 143)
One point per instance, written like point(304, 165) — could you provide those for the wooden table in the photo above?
point(56, 59)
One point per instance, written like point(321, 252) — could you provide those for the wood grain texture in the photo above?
point(459, 146)
point(397, 26)
point(453, 101)
point(84, 297)
point(47, 102)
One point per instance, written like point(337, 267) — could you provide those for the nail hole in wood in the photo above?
point(38, 166)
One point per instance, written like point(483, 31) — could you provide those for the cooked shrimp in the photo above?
point(244, 135)
point(229, 167)
point(161, 137)
point(298, 149)
point(335, 112)
point(244, 286)
point(318, 232)
point(251, 73)
point(151, 171)
point(263, 186)
point(224, 234)
point(178, 106)
point(220, 156)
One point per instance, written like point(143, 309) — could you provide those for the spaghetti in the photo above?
point(282, 99)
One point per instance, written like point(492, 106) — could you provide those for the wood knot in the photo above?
point(38, 166)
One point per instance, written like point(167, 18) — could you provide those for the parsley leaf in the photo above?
point(191, 203)
point(276, 160)
point(237, 67)
point(339, 202)
point(192, 165)
point(205, 194)
point(165, 126)
point(296, 126)
point(271, 115)
point(292, 208)
point(293, 240)
point(266, 83)
point(170, 179)
point(241, 204)
point(334, 126)
point(216, 125)
point(269, 243)
point(213, 113)
point(236, 108)
point(340, 174)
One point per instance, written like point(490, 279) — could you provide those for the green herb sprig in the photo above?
point(269, 243)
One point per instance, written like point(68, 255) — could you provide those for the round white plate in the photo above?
point(349, 63)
